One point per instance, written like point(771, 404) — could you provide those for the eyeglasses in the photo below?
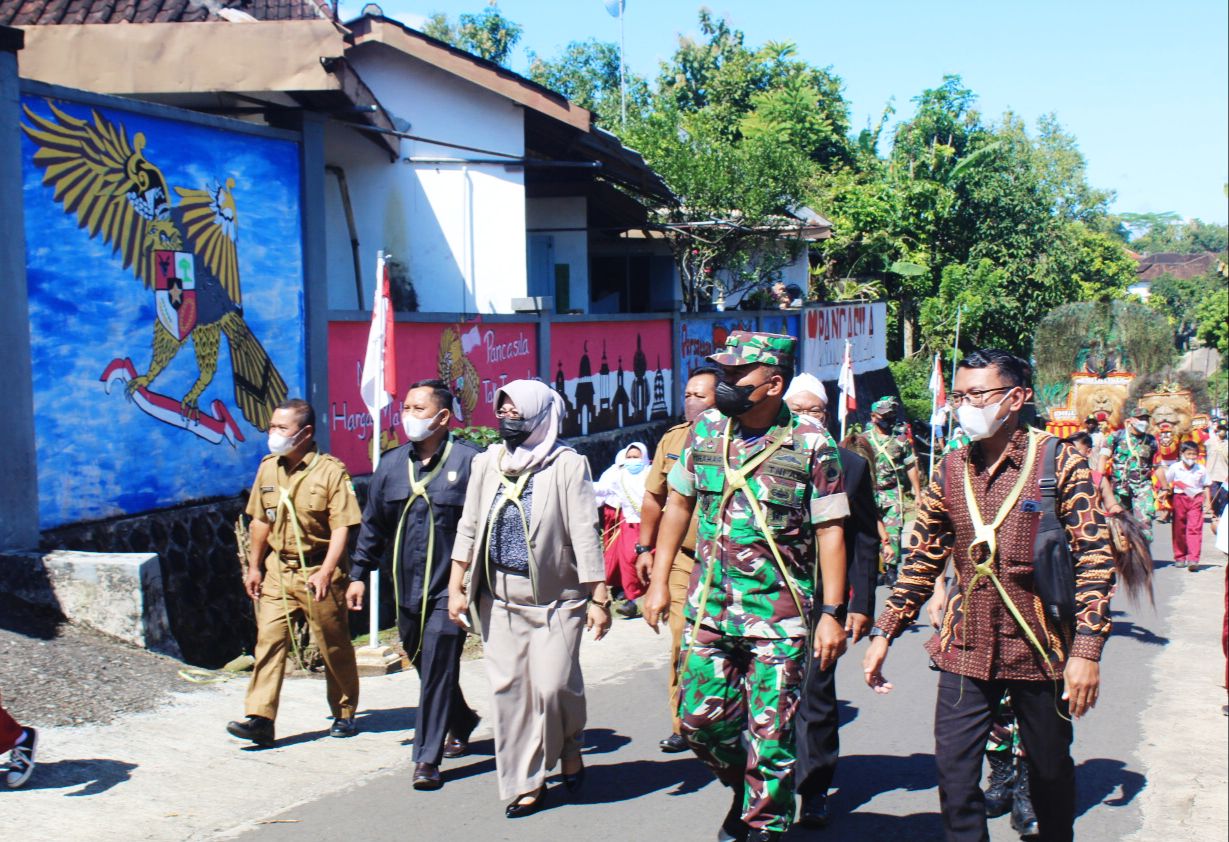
point(507, 413)
point(975, 397)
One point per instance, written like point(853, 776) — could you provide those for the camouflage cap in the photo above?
point(884, 405)
point(743, 347)
point(1141, 412)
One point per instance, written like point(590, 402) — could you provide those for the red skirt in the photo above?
point(619, 539)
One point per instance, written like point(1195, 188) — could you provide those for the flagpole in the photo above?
point(622, 63)
point(934, 408)
point(373, 611)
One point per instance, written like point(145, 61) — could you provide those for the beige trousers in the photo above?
point(680, 579)
point(330, 628)
point(532, 656)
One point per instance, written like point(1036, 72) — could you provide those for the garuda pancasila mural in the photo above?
point(185, 252)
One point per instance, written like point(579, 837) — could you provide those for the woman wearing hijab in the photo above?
point(621, 492)
point(528, 574)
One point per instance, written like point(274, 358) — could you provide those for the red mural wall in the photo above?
point(612, 374)
point(474, 358)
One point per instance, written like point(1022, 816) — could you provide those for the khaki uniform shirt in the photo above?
point(669, 449)
point(323, 498)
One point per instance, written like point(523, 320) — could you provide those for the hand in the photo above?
point(872, 665)
point(829, 641)
point(354, 595)
point(1083, 682)
point(458, 605)
point(318, 583)
point(598, 619)
point(936, 608)
point(656, 605)
point(856, 626)
point(251, 582)
point(644, 565)
point(1116, 509)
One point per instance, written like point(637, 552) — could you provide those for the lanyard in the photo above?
point(986, 534)
point(883, 451)
point(736, 480)
point(285, 502)
point(512, 495)
point(418, 488)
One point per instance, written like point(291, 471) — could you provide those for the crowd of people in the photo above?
point(758, 541)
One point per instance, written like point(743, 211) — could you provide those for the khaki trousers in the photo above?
point(679, 581)
point(329, 623)
point(532, 658)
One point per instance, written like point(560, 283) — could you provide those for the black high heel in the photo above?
point(573, 782)
point(517, 810)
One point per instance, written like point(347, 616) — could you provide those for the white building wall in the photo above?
point(547, 217)
point(460, 227)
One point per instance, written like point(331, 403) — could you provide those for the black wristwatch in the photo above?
point(836, 612)
point(641, 549)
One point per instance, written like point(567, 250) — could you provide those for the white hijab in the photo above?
point(542, 407)
point(621, 488)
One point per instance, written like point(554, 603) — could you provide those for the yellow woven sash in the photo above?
point(285, 502)
point(512, 495)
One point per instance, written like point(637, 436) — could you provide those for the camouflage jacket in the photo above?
point(1132, 457)
point(894, 457)
point(799, 486)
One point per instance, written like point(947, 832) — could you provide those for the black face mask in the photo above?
point(885, 423)
point(734, 401)
point(514, 431)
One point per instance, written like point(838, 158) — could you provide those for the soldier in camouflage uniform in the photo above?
point(895, 462)
point(766, 487)
point(1129, 457)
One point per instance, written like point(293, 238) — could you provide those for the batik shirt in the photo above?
point(894, 457)
point(1132, 457)
point(799, 487)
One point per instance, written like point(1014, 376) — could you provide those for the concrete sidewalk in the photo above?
point(174, 773)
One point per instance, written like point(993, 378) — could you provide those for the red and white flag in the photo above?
point(378, 383)
point(938, 392)
point(844, 382)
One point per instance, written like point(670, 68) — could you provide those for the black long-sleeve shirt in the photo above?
point(386, 499)
point(861, 533)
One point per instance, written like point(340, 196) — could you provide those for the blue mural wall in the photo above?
point(208, 222)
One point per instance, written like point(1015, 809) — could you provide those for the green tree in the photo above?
point(1180, 300)
point(1154, 233)
point(488, 34)
point(587, 73)
point(1212, 318)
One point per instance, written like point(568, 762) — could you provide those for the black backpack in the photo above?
point(1053, 568)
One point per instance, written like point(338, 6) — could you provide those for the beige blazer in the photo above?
point(564, 537)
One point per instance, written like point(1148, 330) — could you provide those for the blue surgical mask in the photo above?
point(634, 467)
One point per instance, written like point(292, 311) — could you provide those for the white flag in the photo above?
point(379, 377)
point(938, 402)
point(845, 383)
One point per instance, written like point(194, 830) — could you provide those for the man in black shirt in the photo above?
point(413, 506)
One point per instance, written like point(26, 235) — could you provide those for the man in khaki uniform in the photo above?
point(302, 507)
point(699, 395)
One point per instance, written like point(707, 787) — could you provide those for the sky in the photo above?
point(1144, 87)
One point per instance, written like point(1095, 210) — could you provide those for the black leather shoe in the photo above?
point(258, 729)
point(763, 836)
point(573, 782)
point(343, 727)
point(517, 810)
point(814, 813)
point(673, 744)
point(733, 828)
point(457, 744)
point(427, 777)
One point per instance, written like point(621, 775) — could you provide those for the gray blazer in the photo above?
point(564, 538)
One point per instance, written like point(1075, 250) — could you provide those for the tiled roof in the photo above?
point(50, 12)
point(1182, 266)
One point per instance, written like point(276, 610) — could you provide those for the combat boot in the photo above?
point(1023, 818)
point(999, 785)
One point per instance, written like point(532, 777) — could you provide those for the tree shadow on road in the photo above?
point(1098, 778)
point(96, 776)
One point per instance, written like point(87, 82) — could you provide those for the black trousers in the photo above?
point(441, 704)
point(962, 724)
point(815, 727)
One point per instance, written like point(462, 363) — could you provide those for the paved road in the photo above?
point(885, 784)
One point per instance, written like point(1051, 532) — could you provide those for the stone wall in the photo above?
point(209, 614)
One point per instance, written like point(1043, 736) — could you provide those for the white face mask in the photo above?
point(280, 445)
point(418, 429)
point(980, 422)
point(1140, 425)
point(1189, 461)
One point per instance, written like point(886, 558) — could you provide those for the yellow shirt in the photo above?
point(323, 498)
point(669, 449)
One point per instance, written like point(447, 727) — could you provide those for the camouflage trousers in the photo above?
point(1005, 731)
point(737, 698)
point(1140, 500)
point(892, 513)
